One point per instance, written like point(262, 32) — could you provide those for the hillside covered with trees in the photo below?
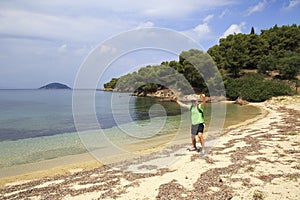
point(252, 66)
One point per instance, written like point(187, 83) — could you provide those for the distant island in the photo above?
point(55, 86)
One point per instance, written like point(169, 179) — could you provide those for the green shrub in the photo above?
point(255, 89)
point(112, 83)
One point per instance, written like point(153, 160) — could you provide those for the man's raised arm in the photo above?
point(180, 103)
point(203, 100)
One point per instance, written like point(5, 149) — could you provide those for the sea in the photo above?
point(39, 125)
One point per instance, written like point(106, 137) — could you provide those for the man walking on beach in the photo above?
point(197, 120)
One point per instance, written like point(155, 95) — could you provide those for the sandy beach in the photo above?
point(258, 159)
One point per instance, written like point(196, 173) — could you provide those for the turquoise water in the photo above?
point(37, 125)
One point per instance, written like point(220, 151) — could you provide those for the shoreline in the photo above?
point(263, 114)
point(68, 164)
point(247, 162)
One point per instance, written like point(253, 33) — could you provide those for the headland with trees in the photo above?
point(254, 67)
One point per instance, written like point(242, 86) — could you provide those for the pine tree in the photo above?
point(252, 31)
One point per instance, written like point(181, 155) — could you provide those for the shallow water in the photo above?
point(38, 125)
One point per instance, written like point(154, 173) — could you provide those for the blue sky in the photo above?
point(47, 41)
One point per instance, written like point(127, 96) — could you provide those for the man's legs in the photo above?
point(201, 139)
point(193, 141)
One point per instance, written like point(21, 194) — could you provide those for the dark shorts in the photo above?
point(197, 128)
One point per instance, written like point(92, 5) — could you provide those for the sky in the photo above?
point(47, 41)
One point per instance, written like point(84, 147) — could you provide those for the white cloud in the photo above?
point(146, 25)
point(200, 32)
point(104, 49)
point(208, 18)
point(57, 34)
point(83, 51)
point(225, 12)
point(292, 4)
point(28, 63)
point(257, 8)
point(44, 26)
point(79, 21)
point(153, 8)
point(234, 28)
point(62, 48)
point(167, 9)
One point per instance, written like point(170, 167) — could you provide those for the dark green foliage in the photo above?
point(263, 52)
point(275, 49)
point(230, 54)
point(256, 47)
point(290, 65)
point(266, 63)
point(112, 83)
point(282, 39)
point(197, 68)
point(254, 88)
point(150, 78)
point(194, 69)
point(252, 31)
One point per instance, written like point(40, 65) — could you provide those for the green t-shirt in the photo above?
point(196, 116)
